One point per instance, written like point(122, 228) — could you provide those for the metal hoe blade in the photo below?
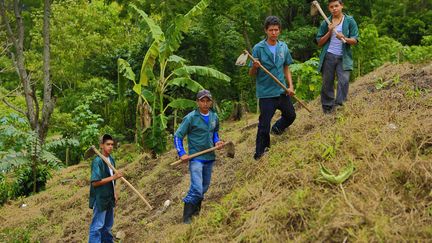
point(230, 149)
point(89, 153)
point(314, 10)
point(241, 60)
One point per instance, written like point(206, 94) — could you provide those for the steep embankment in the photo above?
point(385, 130)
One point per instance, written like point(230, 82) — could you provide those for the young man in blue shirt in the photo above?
point(275, 56)
point(336, 57)
point(103, 196)
point(201, 126)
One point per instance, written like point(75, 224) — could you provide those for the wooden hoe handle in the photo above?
point(277, 81)
point(122, 178)
point(196, 154)
point(325, 17)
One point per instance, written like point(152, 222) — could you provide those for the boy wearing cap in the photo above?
point(275, 56)
point(201, 126)
point(103, 197)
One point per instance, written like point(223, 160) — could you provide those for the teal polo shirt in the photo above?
point(103, 195)
point(266, 87)
point(199, 133)
point(350, 30)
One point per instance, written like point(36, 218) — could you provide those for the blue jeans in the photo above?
point(268, 107)
point(333, 65)
point(200, 175)
point(100, 228)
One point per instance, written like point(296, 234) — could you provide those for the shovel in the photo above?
point(229, 147)
point(92, 151)
point(241, 61)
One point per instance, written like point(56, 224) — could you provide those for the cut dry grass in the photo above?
point(385, 130)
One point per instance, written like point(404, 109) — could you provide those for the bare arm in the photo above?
point(288, 77)
point(349, 41)
point(254, 69)
point(339, 35)
point(326, 37)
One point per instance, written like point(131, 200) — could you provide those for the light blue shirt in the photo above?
point(335, 46)
point(272, 50)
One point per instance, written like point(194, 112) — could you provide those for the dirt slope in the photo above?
point(385, 130)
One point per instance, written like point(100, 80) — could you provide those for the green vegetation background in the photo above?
point(94, 97)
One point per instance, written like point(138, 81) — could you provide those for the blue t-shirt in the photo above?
point(205, 117)
point(272, 50)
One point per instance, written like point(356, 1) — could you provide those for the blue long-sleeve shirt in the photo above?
point(178, 141)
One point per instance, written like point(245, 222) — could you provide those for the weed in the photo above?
point(413, 93)
point(380, 84)
point(15, 235)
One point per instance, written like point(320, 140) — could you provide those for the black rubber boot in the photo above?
point(276, 131)
point(197, 209)
point(188, 212)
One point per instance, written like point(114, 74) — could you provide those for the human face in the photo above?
point(204, 105)
point(335, 8)
point(107, 147)
point(272, 32)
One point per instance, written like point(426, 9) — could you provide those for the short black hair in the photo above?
point(330, 1)
point(272, 20)
point(105, 138)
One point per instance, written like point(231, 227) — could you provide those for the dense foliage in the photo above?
point(130, 68)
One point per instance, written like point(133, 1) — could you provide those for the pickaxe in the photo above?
point(229, 148)
point(241, 61)
point(92, 151)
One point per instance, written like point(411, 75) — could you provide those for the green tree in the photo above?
point(406, 21)
point(15, 31)
point(155, 82)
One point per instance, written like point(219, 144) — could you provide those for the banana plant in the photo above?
point(155, 82)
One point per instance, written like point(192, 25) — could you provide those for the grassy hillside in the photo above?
point(385, 130)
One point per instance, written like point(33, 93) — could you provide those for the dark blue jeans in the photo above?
point(268, 107)
point(200, 176)
point(332, 66)
point(100, 228)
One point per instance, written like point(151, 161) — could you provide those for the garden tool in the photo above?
point(316, 6)
point(229, 148)
point(241, 61)
point(92, 151)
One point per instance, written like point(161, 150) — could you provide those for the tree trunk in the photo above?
point(35, 164)
point(34, 171)
point(146, 116)
point(175, 120)
point(48, 100)
point(18, 41)
point(67, 156)
point(247, 39)
point(137, 119)
point(239, 110)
